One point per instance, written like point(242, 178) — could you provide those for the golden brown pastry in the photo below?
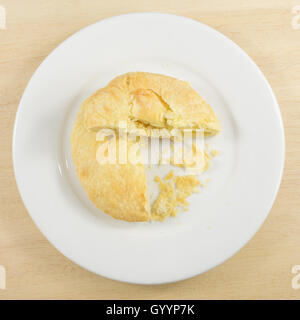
point(143, 101)
point(117, 189)
point(153, 99)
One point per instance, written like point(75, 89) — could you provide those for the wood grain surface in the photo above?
point(262, 269)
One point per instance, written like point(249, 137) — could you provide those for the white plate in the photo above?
point(244, 178)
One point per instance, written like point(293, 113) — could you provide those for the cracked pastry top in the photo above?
point(142, 101)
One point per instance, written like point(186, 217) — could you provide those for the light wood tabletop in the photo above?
point(267, 31)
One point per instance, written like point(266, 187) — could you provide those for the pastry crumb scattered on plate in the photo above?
point(174, 191)
point(215, 152)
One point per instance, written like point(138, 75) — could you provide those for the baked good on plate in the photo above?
point(143, 102)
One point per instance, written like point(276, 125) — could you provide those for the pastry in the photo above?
point(135, 102)
point(151, 99)
point(117, 189)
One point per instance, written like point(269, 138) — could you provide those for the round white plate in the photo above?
point(245, 177)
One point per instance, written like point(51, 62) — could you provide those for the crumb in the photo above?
point(197, 159)
point(180, 165)
point(203, 185)
point(165, 204)
point(207, 159)
point(157, 179)
point(170, 175)
point(185, 186)
point(173, 195)
point(214, 153)
point(207, 155)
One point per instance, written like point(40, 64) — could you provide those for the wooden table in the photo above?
point(262, 269)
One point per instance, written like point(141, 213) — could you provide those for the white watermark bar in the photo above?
point(2, 18)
